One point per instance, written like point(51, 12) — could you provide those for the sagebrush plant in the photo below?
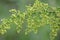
point(36, 16)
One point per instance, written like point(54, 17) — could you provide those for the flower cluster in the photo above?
point(36, 16)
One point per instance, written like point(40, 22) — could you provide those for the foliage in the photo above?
point(36, 16)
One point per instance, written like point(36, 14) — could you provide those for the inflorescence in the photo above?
point(36, 16)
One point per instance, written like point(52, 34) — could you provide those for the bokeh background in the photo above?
point(6, 5)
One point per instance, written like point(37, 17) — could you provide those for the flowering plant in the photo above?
point(36, 16)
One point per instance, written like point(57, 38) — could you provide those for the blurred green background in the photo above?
point(6, 5)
